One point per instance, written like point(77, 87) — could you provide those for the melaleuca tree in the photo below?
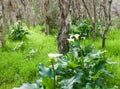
point(93, 18)
point(64, 23)
point(107, 19)
point(45, 9)
point(47, 16)
point(2, 19)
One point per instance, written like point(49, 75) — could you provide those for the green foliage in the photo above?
point(42, 28)
point(45, 72)
point(84, 28)
point(20, 46)
point(48, 83)
point(18, 31)
point(113, 47)
point(82, 67)
point(31, 54)
point(15, 70)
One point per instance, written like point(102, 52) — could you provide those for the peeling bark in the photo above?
point(2, 19)
point(64, 23)
point(47, 16)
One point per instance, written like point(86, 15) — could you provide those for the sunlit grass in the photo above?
point(15, 69)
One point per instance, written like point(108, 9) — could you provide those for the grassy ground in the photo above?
point(15, 69)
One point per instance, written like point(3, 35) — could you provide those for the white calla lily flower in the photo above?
point(76, 36)
point(52, 56)
point(70, 40)
point(83, 38)
point(71, 36)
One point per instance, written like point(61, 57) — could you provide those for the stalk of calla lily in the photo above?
point(52, 56)
point(83, 38)
point(54, 74)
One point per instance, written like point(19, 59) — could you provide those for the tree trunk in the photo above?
point(2, 19)
point(63, 32)
point(105, 33)
point(47, 32)
point(10, 11)
point(47, 17)
point(64, 23)
point(103, 41)
point(94, 31)
point(93, 21)
point(107, 14)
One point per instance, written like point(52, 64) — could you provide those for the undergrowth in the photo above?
point(15, 69)
point(18, 66)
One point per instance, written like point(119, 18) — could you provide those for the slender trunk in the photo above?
point(64, 23)
point(93, 21)
point(10, 11)
point(103, 41)
point(63, 45)
point(47, 29)
point(105, 33)
point(84, 3)
point(47, 17)
point(94, 30)
point(107, 21)
point(2, 19)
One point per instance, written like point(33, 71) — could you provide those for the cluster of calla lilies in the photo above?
point(71, 39)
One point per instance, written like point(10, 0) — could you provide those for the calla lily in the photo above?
point(71, 36)
point(52, 56)
point(83, 38)
point(76, 36)
point(70, 40)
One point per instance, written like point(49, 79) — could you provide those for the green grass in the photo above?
point(15, 69)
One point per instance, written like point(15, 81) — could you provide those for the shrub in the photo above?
point(84, 28)
point(18, 31)
point(81, 68)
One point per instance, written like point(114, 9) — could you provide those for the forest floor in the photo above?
point(19, 66)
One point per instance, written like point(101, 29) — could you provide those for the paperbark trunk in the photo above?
point(64, 23)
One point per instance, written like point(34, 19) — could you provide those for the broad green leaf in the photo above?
point(69, 83)
point(48, 83)
point(45, 72)
point(72, 64)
